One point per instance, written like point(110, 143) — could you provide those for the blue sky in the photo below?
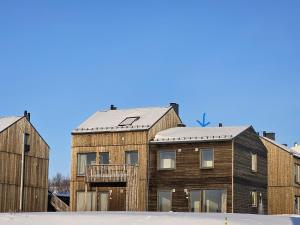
point(238, 61)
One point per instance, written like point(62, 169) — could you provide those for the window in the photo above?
point(207, 158)
point(131, 158)
point(26, 142)
point(297, 204)
point(166, 159)
point(254, 162)
point(83, 160)
point(297, 173)
point(254, 198)
point(165, 201)
point(91, 201)
point(208, 201)
point(104, 158)
point(129, 121)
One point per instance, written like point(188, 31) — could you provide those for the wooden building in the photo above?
point(214, 169)
point(24, 157)
point(283, 177)
point(110, 157)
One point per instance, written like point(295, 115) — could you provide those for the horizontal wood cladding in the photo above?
point(188, 173)
point(35, 172)
point(242, 198)
point(245, 180)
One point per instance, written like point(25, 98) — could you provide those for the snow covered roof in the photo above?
point(6, 121)
point(111, 120)
point(283, 147)
point(188, 134)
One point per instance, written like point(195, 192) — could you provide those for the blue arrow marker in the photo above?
point(203, 123)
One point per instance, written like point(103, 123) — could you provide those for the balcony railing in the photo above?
point(110, 173)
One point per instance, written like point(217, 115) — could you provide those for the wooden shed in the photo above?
point(283, 177)
point(212, 169)
point(110, 157)
point(24, 157)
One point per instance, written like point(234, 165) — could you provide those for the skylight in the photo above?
point(129, 121)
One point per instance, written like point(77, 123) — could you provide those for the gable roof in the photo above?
point(109, 121)
point(6, 121)
point(283, 147)
point(192, 134)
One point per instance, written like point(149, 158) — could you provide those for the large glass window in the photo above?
point(84, 159)
point(297, 173)
point(208, 200)
point(104, 158)
point(131, 158)
point(206, 158)
point(91, 201)
point(165, 201)
point(297, 204)
point(254, 198)
point(167, 159)
point(254, 162)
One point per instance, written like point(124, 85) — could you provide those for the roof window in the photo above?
point(129, 121)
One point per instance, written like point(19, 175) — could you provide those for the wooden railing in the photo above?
point(58, 204)
point(110, 173)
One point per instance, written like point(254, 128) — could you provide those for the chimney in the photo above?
point(270, 135)
point(175, 107)
point(27, 115)
point(295, 144)
point(112, 107)
point(220, 124)
point(285, 145)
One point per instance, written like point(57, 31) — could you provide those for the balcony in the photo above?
point(111, 173)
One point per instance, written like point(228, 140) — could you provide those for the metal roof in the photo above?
point(109, 121)
point(192, 134)
point(6, 121)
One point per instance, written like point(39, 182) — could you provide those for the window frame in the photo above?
point(213, 158)
point(256, 163)
point(202, 198)
point(254, 204)
point(297, 174)
point(125, 158)
point(99, 157)
point(77, 165)
point(158, 199)
point(158, 159)
point(129, 124)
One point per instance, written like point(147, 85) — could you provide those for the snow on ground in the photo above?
point(142, 218)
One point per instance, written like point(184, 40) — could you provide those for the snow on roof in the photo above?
point(144, 218)
point(188, 134)
point(283, 147)
point(6, 121)
point(109, 121)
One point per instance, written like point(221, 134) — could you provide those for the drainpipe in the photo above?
point(22, 176)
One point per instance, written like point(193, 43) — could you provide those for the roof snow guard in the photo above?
point(192, 134)
point(113, 120)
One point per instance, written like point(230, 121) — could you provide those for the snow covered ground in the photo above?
point(144, 218)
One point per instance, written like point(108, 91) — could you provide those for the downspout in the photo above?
point(232, 177)
point(22, 176)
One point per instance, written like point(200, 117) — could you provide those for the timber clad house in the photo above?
point(283, 176)
point(215, 169)
point(24, 157)
point(144, 159)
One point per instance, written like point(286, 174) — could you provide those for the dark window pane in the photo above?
point(131, 158)
point(164, 201)
point(104, 158)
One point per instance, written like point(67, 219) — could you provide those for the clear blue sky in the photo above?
point(238, 61)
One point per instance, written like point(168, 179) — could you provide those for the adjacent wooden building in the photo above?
point(110, 155)
point(283, 177)
point(215, 169)
point(24, 157)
